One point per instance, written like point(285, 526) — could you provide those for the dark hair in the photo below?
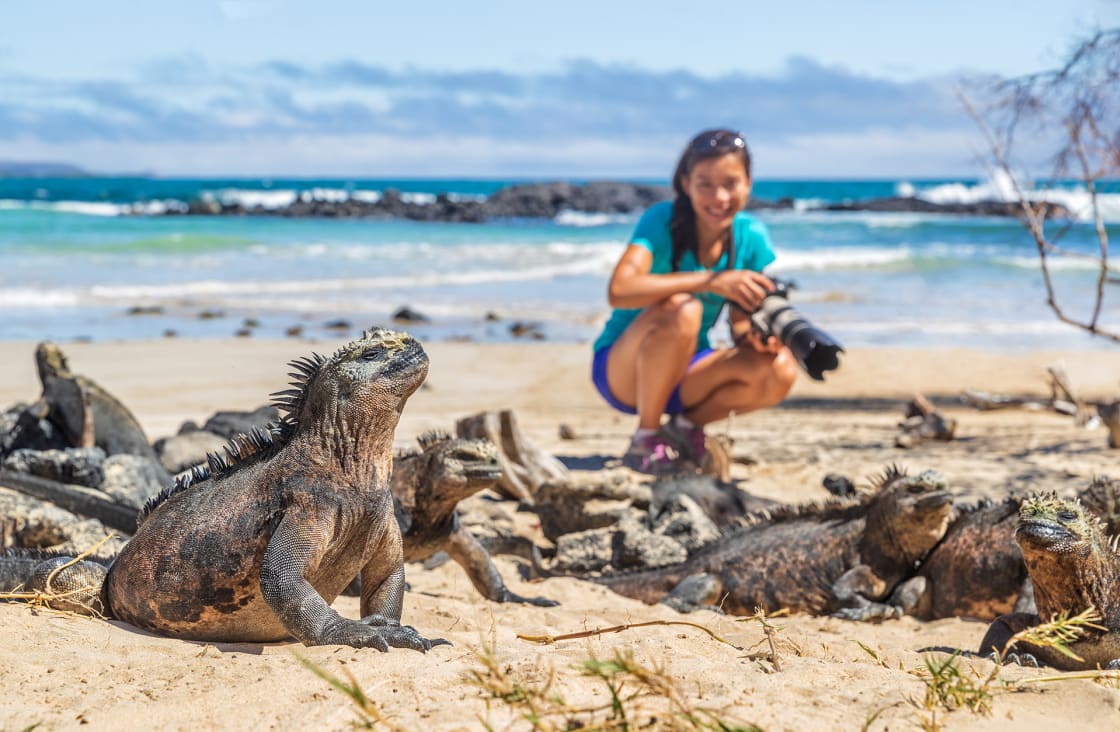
point(707, 144)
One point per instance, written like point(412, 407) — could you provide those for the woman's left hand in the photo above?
point(754, 339)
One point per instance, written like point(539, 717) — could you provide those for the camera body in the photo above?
point(815, 350)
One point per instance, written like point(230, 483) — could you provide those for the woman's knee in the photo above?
point(681, 312)
point(784, 371)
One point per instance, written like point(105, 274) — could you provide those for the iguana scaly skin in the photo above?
point(74, 586)
point(427, 486)
point(255, 546)
point(1073, 565)
point(838, 557)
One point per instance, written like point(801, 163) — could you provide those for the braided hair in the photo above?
point(708, 144)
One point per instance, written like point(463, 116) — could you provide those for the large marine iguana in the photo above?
point(427, 486)
point(1073, 565)
point(257, 544)
point(834, 557)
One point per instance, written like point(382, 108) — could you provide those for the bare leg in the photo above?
point(650, 358)
point(738, 380)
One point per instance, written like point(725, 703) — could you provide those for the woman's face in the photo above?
point(718, 188)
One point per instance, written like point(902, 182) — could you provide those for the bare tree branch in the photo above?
point(1077, 104)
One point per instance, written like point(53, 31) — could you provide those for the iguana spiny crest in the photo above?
point(319, 384)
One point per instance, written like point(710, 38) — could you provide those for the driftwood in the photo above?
point(1063, 399)
point(1110, 417)
point(923, 422)
point(74, 498)
point(525, 467)
point(987, 402)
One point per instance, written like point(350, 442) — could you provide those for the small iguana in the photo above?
point(427, 486)
point(840, 557)
point(256, 545)
point(1073, 565)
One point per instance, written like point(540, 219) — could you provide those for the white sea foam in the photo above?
point(846, 258)
point(88, 208)
point(268, 200)
point(585, 219)
point(29, 297)
point(1052, 262)
point(210, 288)
point(366, 196)
point(1001, 187)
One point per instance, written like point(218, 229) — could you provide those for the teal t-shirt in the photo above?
point(752, 252)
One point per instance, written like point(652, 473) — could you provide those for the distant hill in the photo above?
point(32, 169)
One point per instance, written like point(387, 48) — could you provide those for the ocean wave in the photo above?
point(97, 208)
point(31, 297)
point(840, 258)
point(210, 288)
point(1002, 187)
point(1053, 262)
point(586, 219)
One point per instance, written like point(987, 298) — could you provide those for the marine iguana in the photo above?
point(835, 557)
point(256, 545)
point(427, 486)
point(1073, 564)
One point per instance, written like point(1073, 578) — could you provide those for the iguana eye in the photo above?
point(372, 354)
point(1067, 516)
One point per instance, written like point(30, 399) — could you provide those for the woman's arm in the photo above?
point(632, 285)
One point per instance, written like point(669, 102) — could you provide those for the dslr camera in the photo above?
point(815, 350)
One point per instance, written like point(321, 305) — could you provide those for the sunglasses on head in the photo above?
point(718, 140)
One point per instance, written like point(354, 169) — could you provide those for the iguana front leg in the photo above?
point(852, 591)
point(469, 553)
point(296, 546)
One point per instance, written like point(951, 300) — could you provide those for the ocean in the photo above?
point(95, 258)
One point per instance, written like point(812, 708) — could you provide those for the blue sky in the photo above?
point(512, 89)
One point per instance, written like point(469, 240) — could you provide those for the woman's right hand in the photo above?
point(743, 287)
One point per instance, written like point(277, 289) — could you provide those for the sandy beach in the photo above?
point(65, 672)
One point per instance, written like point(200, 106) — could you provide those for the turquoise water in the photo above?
point(77, 255)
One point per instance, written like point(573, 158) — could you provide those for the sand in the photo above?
point(64, 672)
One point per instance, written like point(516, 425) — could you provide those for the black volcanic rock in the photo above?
point(910, 204)
point(546, 200)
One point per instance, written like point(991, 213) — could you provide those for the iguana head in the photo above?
point(1053, 526)
point(428, 484)
point(908, 515)
point(1072, 562)
point(458, 468)
point(363, 381)
point(50, 361)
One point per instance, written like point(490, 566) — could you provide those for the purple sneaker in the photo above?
point(651, 454)
point(690, 442)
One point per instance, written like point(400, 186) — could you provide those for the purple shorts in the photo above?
point(599, 377)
